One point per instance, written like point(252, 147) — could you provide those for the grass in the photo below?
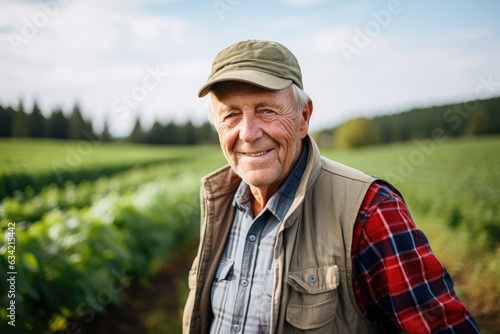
point(30, 156)
point(34, 164)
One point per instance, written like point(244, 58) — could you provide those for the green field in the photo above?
point(118, 210)
point(38, 163)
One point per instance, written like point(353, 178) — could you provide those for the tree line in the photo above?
point(471, 118)
point(18, 123)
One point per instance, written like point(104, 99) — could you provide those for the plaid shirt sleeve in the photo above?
point(399, 284)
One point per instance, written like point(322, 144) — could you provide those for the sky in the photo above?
point(120, 60)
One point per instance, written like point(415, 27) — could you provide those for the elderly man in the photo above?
point(292, 242)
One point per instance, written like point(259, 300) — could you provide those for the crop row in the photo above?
point(86, 243)
point(19, 183)
point(28, 206)
point(39, 163)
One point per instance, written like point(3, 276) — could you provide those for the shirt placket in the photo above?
point(248, 264)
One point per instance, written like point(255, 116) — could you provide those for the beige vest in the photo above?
point(313, 290)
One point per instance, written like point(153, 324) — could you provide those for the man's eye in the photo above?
point(230, 115)
point(268, 111)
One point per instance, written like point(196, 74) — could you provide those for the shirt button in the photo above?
point(244, 283)
point(252, 238)
point(312, 278)
point(236, 328)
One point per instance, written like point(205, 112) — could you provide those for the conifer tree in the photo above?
point(6, 120)
point(76, 124)
point(20, 122)
point(106, 135)
point(36, 123)
point(58, 126)
point(190, 134)
point(137, 135)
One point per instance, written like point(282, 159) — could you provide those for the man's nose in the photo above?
point(250, 129)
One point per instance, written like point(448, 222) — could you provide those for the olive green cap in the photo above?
point(265, 64)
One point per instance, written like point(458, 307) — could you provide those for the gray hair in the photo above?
point(301, 100)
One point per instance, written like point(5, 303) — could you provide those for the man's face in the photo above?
point(260, 131)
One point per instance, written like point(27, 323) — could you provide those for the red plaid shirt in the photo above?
point(399, 284)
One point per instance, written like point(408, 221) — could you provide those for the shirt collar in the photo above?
point(280, 202)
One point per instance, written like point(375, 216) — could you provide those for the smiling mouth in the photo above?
point(259, 154)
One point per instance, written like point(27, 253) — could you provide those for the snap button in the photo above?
point(244, 283)
point(252, 238)
point(313, 278)
point(236, 328)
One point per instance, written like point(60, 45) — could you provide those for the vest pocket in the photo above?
point(313, 298)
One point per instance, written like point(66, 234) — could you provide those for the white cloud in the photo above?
point(89, 51)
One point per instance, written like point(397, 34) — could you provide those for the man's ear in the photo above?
point(305, 116)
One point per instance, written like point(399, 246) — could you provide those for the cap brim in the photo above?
point(252, 77)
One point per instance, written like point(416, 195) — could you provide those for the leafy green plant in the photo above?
point(88, 242)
